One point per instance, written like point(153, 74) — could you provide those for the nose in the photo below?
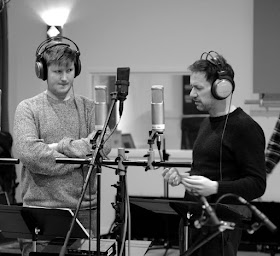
point(63, 75)
point(193, 93)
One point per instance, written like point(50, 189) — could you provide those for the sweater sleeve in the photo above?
point(33, 152)
point(83, 147)
point(272, 154)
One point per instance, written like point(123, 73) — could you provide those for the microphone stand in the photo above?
point(9, 161)
point(223, 226)
point(151, 155)
point(92, 163)
point(121, 203)
point(122, 164)
point(165, 157)
point(144, 163)
point(98, 197)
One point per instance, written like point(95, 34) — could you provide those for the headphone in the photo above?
point(41, 69)
point(224, 85)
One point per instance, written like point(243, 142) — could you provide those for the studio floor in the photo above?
point(12, 247)
point(174, 252)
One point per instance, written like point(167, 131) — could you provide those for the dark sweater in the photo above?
point(241, 170)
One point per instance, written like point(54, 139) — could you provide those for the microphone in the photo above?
point(122, 84)
point(264, 219)
point(100, 106)
point(158, 119)
point(209, 210)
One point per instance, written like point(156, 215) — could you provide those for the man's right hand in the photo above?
point(172, 176)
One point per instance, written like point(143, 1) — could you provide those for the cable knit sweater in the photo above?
point(40, 121)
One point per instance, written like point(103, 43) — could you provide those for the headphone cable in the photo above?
point(222, 137)
point(221, 155)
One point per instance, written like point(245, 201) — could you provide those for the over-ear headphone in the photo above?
point(224, 85)
point(41, 69)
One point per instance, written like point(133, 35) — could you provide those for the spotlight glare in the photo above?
point(55, 16)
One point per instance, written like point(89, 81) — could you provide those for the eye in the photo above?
point(195, 87)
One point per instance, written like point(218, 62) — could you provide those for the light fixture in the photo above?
point(55, 18)
point(54, 31)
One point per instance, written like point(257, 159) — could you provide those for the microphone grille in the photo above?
point(100, 93)
point(157, 93)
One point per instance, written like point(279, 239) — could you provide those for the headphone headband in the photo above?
point(212, 59)
point(55, 38)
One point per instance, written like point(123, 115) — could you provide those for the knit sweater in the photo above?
point(40, 121)
point(239, 164)
point(272, 153)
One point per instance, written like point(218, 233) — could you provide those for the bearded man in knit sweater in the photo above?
point(228, 153)
point(57, 124)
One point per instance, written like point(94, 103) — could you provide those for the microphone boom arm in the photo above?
point(144, 163)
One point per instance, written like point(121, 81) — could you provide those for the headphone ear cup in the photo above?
point(222, 88)
point(40, 68)
point(78, 65)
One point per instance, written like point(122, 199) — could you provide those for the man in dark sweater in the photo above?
point(228, 154)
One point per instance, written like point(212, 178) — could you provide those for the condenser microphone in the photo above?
point(158, 119)
point(210, 211)
point(122, 84)
point(264, 219)
point(100, 106)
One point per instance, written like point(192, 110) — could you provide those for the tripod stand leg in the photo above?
point(35, 238)
point(186, 236)
point(34, 246)
point(184, 233)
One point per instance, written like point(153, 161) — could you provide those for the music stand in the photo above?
point(38, 223)
point(237, 214)
point(154, 204)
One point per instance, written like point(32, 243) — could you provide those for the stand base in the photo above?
point(107, 247)
point(9, 246)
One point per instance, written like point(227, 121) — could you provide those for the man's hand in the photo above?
point(200, 185)
point(173, 177)
point(53, 146)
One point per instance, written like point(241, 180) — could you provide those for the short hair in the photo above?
point(210, 69)
point(58, 53)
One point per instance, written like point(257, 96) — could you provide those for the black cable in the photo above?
point(222, 137)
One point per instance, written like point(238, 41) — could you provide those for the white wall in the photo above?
point(158, 34)
point(137, 34)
